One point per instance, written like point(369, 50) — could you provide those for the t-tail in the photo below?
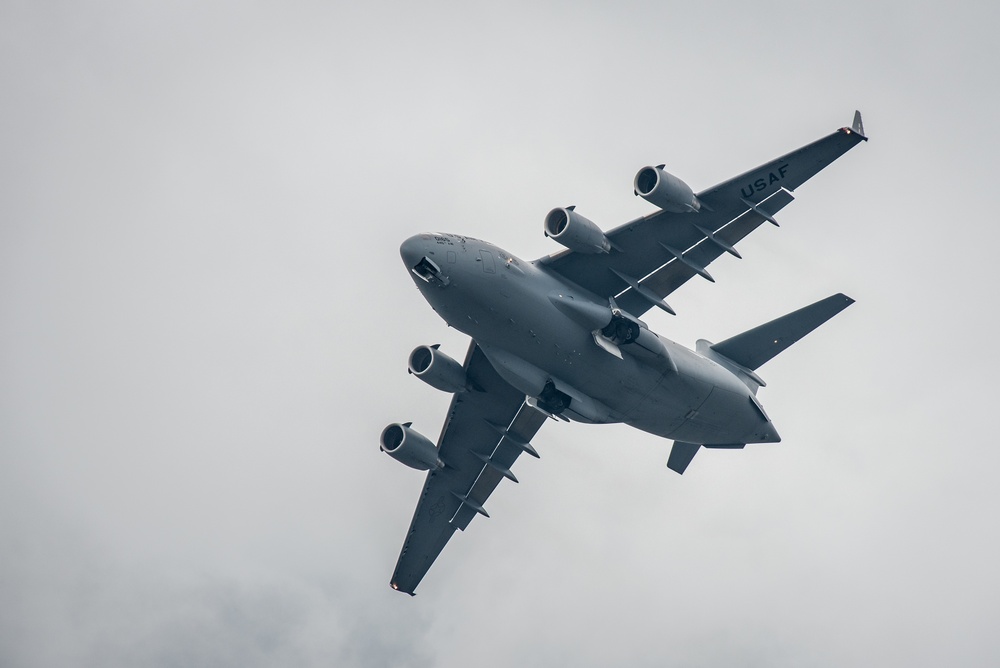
point(744, 353)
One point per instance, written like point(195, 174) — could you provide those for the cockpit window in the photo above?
point(489, 266)
point(429, 271)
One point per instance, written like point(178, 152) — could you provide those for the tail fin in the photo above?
point(754, 347)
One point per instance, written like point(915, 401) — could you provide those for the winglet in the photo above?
point(858, 127)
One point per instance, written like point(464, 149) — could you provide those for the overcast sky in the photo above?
point(204, 324)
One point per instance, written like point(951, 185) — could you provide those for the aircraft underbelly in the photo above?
point(575, 364)
point(529, 342)
point(670, 403)
point(701, 403)
point(537, 334)
point(724, 417)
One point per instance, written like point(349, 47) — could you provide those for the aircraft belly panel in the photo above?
point(624, 387)
point(563, 350)
point(619, 384)
point(666, 409)
point(724, 417)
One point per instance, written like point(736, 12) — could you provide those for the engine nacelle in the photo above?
point(409, 447)
point(437, 369)
point(665, 190)
point(575, 232)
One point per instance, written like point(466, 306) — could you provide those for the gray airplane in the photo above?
point(561, 338)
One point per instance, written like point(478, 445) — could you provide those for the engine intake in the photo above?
point(575, 232)
point(437, 369)
point(665, 190)
point(409, 447)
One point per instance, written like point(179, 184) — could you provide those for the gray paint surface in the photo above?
point(201, 306)
point(553, 332)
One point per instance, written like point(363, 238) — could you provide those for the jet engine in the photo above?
point(409, 447)
point(437, 369)
point(665, 190)
point(575, 232)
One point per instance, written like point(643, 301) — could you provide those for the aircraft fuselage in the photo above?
point(538, 331)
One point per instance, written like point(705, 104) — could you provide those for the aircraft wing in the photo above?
point(485, 431)
point(654, 255)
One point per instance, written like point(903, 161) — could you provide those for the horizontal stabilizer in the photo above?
point(681, 455)
point(753, 348)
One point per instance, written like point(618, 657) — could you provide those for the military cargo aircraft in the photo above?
point(561, 338)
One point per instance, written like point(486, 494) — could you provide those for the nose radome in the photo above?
point(411, 251)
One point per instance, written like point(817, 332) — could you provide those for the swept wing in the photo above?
point(654, 255)
point(486, 429)
point(490, 425)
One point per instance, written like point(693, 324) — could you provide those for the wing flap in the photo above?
point(524, 425)
point(678, 271)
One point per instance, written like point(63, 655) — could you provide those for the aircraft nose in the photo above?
point(412, 250)
point(416, 253)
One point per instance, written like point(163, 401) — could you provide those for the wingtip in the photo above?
point(858, 126)
point(396, 587)
point(847, 300)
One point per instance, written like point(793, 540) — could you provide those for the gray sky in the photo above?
point(204, 325)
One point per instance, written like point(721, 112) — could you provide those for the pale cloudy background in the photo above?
point(204, 324)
